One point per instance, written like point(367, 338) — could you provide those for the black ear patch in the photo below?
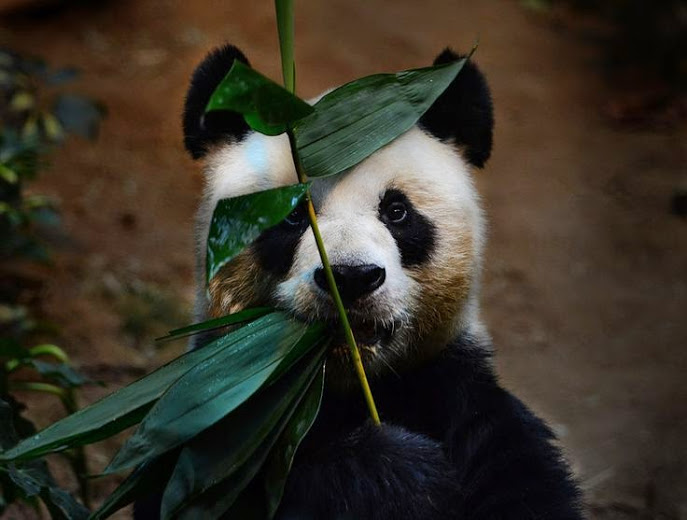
point(463, 112)
point(201, 130)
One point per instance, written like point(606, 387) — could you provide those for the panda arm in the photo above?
point(506, 463)
point(374, 472)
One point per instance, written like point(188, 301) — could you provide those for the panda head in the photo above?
point(403, 229)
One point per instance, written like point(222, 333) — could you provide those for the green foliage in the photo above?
point(218, 323)
point(357, 119)
point(34, 117)
point(264, 351)
point(238, 221)
point(266, 107)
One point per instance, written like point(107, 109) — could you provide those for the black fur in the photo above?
point(454, 445)
point(275, 247)
point(463, 112)
point(202, 130)
point(415, 235)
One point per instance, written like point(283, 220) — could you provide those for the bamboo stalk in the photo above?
point(334, 291)
point(285, 24)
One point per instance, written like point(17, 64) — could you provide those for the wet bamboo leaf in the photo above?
point(227, 379)
point(357, 119)
point(146, 479)
point(278, 463)
point(127, 406)
point(251, 447)
point(267, 107)
point(231, 319)
point(238, 221)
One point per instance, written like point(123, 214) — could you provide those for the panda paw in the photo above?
point(375, 472)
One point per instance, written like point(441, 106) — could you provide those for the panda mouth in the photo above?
point(366, 333)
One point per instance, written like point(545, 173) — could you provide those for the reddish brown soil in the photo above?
point(585, 291)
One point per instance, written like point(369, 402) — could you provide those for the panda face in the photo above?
point(402, 231)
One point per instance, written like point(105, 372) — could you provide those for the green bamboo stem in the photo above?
point(334, 291)
point(285, 25)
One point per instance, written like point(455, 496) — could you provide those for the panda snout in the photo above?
point(353, 281)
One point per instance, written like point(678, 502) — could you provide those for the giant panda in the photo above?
point(405, 235)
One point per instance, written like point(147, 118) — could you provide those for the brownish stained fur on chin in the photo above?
point(239, 285)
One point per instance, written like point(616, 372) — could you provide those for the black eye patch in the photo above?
point(275, 247)
point(414, 234)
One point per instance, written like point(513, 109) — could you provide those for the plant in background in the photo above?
point(227, 446)
point(33, 120)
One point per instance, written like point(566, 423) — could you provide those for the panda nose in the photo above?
point(353, 281)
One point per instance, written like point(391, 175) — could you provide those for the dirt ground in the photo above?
point(585, 290)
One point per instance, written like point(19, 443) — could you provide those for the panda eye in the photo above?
point(296, 217)
point(396, 212)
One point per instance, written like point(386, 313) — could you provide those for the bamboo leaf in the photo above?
point(227, 379)
point(60, 373)
point(357, 119)
point(146, 479)
point(278, 464)
point(127, 406)
point(231, 319)
point(219, 452)
point(267, 107)
point(34, 480)
point(238, 221)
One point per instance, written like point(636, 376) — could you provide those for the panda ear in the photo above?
point(463, 112)
point(200, 129)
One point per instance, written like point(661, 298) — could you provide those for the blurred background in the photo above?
point(585, 287)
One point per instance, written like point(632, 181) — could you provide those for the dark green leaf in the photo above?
point(231, 319)
point(78, 115)
point(278, 463)
point(357, 119)
point(61, 373)
point(220, 451)
point(34, 479)
point(238, 221)
point(146, 479)
point(226, 379)
point(267, 107)
point(129, 405)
